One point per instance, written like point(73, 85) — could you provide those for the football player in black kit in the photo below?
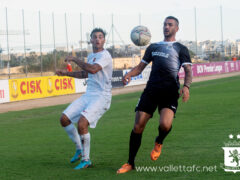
point(162, 89)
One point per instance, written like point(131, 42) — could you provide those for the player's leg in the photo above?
point(71, 115)
point(167, 107)
point(141, 120)
point(96, 107)
point(166, 118)
point(144, 111)
point(73, 135)
point(85, 137)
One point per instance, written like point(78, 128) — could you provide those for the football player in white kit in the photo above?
point(88, 109)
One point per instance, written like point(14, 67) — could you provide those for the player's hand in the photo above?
point(184, 92)
point(60, 73)
point(126, 79)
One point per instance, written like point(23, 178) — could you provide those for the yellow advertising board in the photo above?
point(32, 88)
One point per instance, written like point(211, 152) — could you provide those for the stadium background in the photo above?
point(33, 45)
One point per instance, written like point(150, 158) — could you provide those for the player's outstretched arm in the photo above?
point(134, 72)
point(60, 73)
point(77, 74)
point(184, 92)
point(90, 68)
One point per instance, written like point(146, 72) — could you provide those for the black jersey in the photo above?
point(167, 59)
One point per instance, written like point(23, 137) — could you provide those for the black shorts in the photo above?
point(152, 98)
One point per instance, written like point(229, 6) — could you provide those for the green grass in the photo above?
point(34, 146)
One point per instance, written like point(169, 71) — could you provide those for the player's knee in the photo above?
point(82, 127)
point(138, 128)
point(64, 121)
point(165, 126)
point(82, 130)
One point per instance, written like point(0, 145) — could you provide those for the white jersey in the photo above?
point(100, 82)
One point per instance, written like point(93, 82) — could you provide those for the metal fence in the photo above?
point(35, 43)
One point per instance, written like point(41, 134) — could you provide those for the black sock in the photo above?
point(162, 135)
point(134, 144)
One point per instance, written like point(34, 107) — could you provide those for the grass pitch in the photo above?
point(34, 146)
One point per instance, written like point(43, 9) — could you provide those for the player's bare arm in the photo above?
point(76, 74)
point(134, 72)
point(187, 82)
point(90, 68)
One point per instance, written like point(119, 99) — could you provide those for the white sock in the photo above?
point(73, 135)
point(86, 146)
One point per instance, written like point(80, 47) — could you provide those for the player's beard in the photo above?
point(169, 35)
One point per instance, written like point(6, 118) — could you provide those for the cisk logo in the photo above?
point(14, 85)
point(232, 155)
point(50, 85)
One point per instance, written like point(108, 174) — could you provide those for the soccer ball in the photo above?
point(140, 36)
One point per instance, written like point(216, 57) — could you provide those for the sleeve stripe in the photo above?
point(144, 61)
point(186, 63)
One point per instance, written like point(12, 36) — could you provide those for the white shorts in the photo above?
point(91, 106)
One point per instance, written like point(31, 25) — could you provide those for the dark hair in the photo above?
point(98, 30)
point(174, 18)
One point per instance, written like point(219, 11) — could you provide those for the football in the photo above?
point(140, 36)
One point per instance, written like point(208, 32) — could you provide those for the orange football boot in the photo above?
point(125, 168)
point(156, 151)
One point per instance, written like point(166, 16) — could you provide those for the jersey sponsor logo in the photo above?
point(169, 47)
point(161, 54)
